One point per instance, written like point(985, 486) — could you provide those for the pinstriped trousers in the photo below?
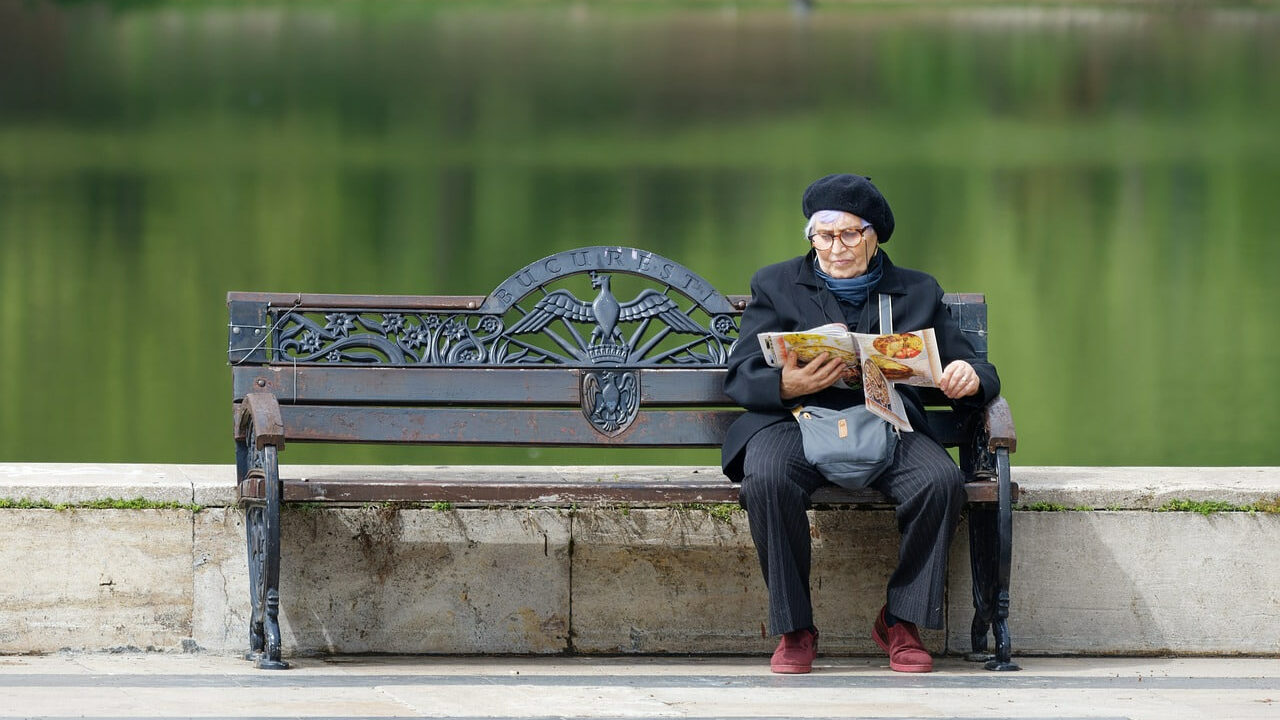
point(924, 482)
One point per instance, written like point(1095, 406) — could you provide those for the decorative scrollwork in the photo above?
point(255, 537)
point(255, 529)
point(678, 320)
point(256, 466)
point(391, 338)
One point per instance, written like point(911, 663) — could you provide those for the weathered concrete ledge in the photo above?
point(1108, 576)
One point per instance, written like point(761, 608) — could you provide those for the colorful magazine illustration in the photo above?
point(873, 362)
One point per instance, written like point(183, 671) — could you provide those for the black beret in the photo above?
point(852, 194)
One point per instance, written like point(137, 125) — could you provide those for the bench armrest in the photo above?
point(998, 421)
point(261, 411)
point(987, 432)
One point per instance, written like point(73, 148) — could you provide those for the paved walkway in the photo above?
point(205, 686)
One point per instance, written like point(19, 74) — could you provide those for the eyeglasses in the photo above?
point(849, 237)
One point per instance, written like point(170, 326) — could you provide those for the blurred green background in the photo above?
point(1106, 173)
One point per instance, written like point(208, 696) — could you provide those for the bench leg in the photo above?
point(259, 437)
point(983, 556)
point(270, 657)
point(262, 537)
point(1004, 530)
point(990, 556)
point(253, 549)
point(255, 535)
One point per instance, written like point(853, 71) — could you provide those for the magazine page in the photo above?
point(833, 339)
point(910, 358)
point(882, 399)
point(874, 362)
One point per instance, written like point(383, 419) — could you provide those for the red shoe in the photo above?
point(795, 653)
point(902, 642)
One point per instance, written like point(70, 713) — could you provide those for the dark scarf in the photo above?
point(854, 291)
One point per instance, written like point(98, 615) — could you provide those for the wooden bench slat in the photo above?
point(467, 492)
point(562, 492)
point(359, 302)
point(441, 385)
point(499, 426)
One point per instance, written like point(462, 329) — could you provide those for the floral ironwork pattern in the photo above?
point(386, 338)
point(553, 327)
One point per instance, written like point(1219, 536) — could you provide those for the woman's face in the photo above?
point(840, 260)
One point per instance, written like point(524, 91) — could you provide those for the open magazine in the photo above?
point(873, 362)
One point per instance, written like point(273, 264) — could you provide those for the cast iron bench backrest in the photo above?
point(595, 346)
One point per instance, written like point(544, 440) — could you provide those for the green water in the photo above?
point(1107, 174)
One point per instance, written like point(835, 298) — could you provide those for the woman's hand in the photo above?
point(959, 380)
point(817, 375)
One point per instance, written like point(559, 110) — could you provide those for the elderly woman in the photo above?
point(838, 280)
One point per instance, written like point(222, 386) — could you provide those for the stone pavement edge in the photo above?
point(173, 685)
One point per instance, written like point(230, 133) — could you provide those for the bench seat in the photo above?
point(469, 486)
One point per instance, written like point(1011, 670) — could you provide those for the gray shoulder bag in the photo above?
point(850, 447)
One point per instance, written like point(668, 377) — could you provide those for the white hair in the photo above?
point(828, 216)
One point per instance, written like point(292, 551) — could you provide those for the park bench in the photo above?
point(637, 359)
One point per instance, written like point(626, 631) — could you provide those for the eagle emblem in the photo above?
point(606, 344)
point(610, 399)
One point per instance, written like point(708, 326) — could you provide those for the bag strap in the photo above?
point(886, 328)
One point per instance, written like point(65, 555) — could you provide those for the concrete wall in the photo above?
point(1115, 579)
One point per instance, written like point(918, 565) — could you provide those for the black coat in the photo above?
point(790, 296)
